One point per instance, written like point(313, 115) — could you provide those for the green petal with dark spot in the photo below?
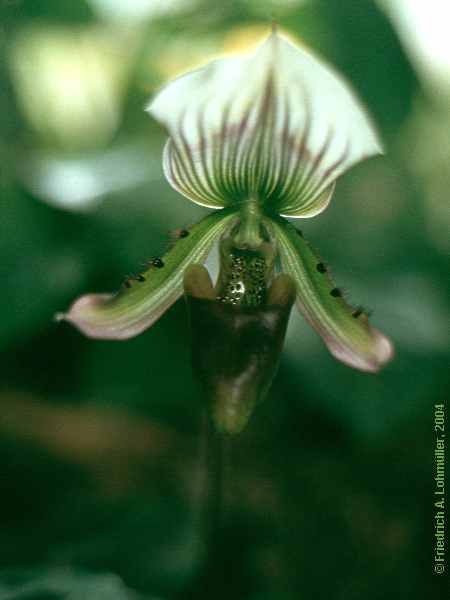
point(137, 306)
point(345, 330)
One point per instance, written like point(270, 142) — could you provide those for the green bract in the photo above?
point(260, 137)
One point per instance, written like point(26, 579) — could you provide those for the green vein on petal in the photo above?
point(133, 309)
point(345, 330)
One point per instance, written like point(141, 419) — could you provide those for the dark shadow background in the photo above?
point(331, 486)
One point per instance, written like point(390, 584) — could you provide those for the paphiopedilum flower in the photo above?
point(258, 138)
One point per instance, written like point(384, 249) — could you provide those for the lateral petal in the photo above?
point(345, 330)
point(144, 299)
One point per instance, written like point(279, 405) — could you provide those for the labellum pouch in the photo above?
point(235, 348)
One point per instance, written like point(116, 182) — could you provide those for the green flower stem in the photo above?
point(217, 466)
point(216, 482)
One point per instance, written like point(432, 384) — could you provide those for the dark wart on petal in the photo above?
point(176, 235)
point(321, 268)
point(358, 312)
point(130, 278)
point(336, 293)
point(156, 262)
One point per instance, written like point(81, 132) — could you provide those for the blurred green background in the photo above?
point(330, 490)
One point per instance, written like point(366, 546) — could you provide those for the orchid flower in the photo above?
point(257, 138)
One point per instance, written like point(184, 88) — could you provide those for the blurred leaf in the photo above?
point(55, 10)
point(366, 49)
point(63, 584)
